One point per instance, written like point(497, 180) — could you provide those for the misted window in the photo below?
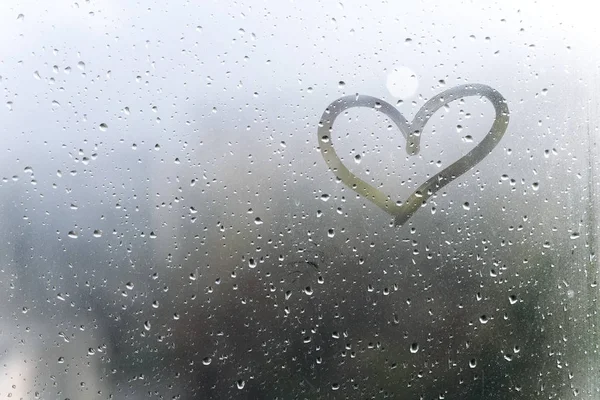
point(299, 200)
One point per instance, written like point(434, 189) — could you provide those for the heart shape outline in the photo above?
point(412, 133)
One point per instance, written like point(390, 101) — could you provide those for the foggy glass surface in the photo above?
point(171, 228)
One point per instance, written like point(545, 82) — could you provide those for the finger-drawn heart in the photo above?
point(412, 132)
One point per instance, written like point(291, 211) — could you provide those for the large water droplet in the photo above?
point(414, 347)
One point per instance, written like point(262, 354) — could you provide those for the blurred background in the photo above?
point(170, 229)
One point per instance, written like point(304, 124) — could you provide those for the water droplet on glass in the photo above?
point(414, 347)
point(240, 384)
point(147, 325)
point(103, 127)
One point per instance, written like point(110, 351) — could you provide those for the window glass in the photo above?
point(279, 199)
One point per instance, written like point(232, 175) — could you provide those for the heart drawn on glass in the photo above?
point(412, 133)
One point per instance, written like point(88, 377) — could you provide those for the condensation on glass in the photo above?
point(181, 218)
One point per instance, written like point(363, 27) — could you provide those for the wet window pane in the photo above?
point(276, 199)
